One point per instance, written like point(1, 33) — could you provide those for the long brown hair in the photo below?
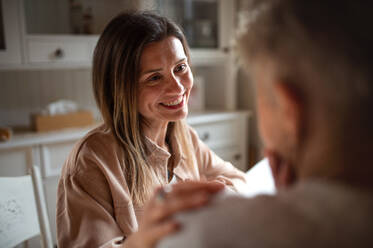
point(115, 76)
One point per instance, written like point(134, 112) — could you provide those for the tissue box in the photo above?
point(43, 123)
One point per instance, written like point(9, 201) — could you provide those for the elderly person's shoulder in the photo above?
point(311, 214)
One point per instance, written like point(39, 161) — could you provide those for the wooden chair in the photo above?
point(23, 212)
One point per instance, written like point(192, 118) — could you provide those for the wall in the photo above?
point(25, 92)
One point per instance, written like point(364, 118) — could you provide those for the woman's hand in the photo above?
point(156, 223)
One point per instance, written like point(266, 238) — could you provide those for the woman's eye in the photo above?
point(180, 67)
point(154, 78)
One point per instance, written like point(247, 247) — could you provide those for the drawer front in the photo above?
point(58, 51)
point(219, 134)
point(53, 157)
point(234, 155)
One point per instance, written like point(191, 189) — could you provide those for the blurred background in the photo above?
point(46, 99)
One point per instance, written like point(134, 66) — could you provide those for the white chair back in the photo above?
point(23, 213)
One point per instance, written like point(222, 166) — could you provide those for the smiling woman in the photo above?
point(142, 82)
point(164, 92)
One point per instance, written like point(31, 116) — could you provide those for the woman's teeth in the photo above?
point(176, 102)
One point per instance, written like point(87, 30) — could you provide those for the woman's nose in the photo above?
point(175, 85)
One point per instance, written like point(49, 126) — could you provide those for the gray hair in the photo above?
point(322, 47)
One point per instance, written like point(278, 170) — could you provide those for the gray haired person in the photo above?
point(311, 63)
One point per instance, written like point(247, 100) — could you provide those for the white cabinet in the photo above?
point(53, 155)
point(11, 32)
point(43, 33)
point(16, 161)
point(225, 134)
point(219, 134)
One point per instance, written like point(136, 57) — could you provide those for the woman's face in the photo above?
point(165, 82)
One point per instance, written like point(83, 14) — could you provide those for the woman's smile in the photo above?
point(175, 104)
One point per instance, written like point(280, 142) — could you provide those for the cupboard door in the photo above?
point(16, 161)
point(53, 157)
point(218, 134)
point(198, 18)
point(226, 136)
point(235, 155)
point(206, 24)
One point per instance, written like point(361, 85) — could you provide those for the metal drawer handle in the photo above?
point(59, 53)
point(237, 157)
point(205, 137)
point(226, 49)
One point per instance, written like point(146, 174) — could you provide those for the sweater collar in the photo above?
point(157, 153)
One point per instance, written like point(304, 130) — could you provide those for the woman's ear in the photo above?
point(290, 111)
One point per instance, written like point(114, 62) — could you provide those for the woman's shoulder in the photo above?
point(99, 144)
point(99, 139)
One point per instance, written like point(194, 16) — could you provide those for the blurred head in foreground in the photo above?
point(311, 63)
